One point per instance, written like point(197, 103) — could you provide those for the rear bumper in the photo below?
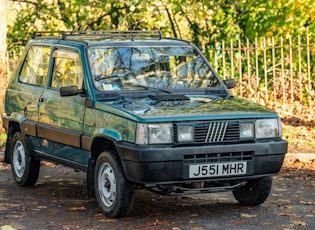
point(166, 165)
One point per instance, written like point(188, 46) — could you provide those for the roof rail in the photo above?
point(49, 34)
point(131, 34)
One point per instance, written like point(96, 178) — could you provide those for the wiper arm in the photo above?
point(102, 77)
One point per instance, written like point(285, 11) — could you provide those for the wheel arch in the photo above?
point(99, 144)
point(13, 127)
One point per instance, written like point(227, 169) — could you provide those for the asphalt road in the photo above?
point(58, 201)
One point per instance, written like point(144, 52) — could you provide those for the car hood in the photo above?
point(196, 106)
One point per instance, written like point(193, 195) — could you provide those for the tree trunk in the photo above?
point(3, 50)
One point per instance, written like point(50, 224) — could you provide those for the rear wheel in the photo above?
point(114, 193)
point(25, 169)
point(254, 192)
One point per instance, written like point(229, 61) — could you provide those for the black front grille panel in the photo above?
point(214, 132)
point(218, 157)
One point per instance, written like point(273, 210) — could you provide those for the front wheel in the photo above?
point(254, 192)
point(114, 193)
point(25, 169)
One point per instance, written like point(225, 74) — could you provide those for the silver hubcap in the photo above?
point(106, 184)
point(19, 159)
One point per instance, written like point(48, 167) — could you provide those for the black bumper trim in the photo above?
point(165, 164)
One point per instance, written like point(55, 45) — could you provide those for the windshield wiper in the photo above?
point(148, 87)
point(102, 77)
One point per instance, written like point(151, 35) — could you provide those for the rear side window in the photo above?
point(68, 69)
point(35, 67)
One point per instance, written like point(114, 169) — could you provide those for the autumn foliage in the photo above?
point(297, 113)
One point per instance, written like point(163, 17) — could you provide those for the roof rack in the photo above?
point(131, 34)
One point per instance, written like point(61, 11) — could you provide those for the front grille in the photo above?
point(218, 157)
point(214, 132)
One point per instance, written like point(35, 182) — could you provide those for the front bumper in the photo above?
point(168, 165)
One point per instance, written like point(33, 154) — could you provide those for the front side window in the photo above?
point(128, 68)
point(68, 69)
point(35, 67)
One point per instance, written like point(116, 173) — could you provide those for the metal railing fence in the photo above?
point(269, 69)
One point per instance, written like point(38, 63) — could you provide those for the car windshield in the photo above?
point(131, 68)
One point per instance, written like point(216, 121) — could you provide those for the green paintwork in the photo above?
point(24, 101)
point(65, 112)
point(117, 121)
point(198, 107)
point(109, 125)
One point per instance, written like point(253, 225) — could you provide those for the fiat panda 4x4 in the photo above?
point(134, 110)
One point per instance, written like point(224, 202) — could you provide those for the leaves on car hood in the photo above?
point(197, 105)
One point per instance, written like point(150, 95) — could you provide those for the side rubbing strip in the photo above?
point(87, 142)
point(62, 136)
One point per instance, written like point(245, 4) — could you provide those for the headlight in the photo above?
point(247, 130)
point(185, 133)
point(154, 134)
point(268, 128)
point(160, 133)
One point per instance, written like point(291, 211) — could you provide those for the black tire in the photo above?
point(24, 168)
point(254, 192)
point(114, 193)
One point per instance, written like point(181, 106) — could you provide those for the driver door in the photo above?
point(61, 118)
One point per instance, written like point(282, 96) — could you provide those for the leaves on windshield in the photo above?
point(151, 67)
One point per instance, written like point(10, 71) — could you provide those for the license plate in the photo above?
point(218, 169)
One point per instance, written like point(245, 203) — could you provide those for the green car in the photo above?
point(135, 110)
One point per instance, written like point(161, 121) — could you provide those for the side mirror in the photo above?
point(230, 83)
point(69, 91)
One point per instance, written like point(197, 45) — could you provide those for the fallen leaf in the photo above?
point(7, 227)
point(307, 202)
point(157, 222)
point(299, 223)
point(77, 208)
point(248, 215)
point(239, 221)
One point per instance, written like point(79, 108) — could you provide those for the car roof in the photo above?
point(108, 38)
